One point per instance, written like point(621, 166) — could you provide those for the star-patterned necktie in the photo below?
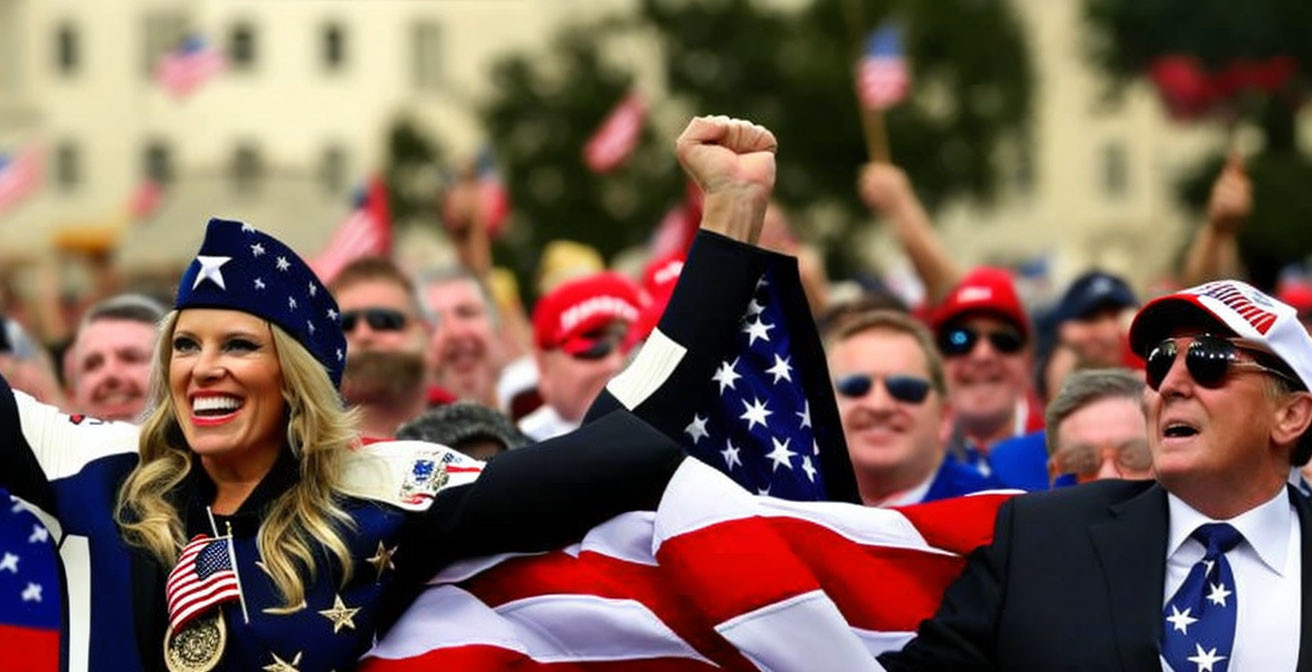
point(1199, 633)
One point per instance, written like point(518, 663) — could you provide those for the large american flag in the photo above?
point(366, 231)
point(714, 578)
point(617, 136)
point(203, 577)
point(20, 176)
point(184, 68)
point(29, 591)
point(882, 75)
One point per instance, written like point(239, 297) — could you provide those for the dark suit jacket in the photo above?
point(1072, 581)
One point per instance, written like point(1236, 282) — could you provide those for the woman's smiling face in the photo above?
point(226, 384)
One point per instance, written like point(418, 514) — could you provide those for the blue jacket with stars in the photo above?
point(70, 469)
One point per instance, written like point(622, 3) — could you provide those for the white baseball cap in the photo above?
point(1236, 307)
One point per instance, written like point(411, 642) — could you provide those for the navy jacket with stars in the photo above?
point(535, 498)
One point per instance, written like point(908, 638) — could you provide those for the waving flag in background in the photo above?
point(714, 579)
point(883, 78)
point(617, 136)
point(29, 591)
point(366, 231)
point(185, 68)
point(20, 175)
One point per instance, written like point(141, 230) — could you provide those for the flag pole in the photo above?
point(872, 121)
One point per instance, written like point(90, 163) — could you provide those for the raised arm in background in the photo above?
point(886, 190)
point(1214, 251)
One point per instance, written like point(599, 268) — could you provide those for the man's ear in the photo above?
point(1292, 419)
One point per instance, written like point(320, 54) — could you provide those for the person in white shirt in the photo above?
point(1202, 569)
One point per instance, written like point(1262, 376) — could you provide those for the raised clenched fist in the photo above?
point(728, 155)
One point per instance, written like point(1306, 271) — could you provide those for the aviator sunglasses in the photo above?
point(959, 341)
point(379, 319)
point(908, 389)
point(1209, 360)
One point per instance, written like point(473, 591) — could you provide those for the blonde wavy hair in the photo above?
point(319, 434)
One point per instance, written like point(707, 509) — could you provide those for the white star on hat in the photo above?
point(209, 270)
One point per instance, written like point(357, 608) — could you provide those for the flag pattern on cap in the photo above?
point(754, 420)
point(202, 578)
point(241, 268)
point(1239, 307)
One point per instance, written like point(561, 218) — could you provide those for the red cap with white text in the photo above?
point(565, 317)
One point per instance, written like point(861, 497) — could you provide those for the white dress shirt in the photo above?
point(545, 423)
point(1267, 567)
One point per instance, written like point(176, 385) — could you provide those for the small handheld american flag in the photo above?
point(20, 176)
point(882, 75)
point(203, 577)
point(184, 68)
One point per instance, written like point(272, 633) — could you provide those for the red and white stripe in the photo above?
point(882, 81)
point(188, 594)
point(366, 231)
point(617, 136)
point(20, 178)
point(715, 578)
point(182, 72)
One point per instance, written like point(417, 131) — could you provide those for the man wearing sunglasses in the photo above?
point(385, 337)
point(1205, 568)
point(892, 401)
point(984, 335)
point(581, 339)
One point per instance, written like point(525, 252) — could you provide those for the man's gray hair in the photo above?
point(1085, 387)
point(130, 307)
point(449, 274)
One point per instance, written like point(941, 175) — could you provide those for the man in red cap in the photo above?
point(581, 337)
point(984, 335)
point(1205, 568)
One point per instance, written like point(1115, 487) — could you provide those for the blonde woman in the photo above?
point(246, 448)
point(246, 460)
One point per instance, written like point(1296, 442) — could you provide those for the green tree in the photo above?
point(1130, 37)
point(789, 69)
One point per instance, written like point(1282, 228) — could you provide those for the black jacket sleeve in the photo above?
point(545, 496)
point(962, 634)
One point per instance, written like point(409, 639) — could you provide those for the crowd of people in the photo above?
point(1193, 406)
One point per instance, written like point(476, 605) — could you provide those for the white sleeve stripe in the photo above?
point(62, 447)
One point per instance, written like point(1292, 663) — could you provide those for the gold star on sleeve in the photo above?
point(382, 560)
point(340, 615)
point(280, 665)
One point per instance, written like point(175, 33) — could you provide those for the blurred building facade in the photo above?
point(311, 87)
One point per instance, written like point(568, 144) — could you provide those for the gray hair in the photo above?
point(130, 307)
point(1085, 387)
point(447, 275)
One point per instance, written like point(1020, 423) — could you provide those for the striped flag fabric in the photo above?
point(20, 176)
point(366, 231)
point(145, 200)
point(29, 590)
point(715, 578)
point(203, 577)
point(617, 136)
point(183, 69)
point(883, 78)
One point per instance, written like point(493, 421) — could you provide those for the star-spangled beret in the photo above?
point(241, 268)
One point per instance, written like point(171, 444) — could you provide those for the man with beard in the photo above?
point(581, 337)
point(385, 338)
point(892, 400)
point(464, 357)
point(109, 365)
point(984, 336)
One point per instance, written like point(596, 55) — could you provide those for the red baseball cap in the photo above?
point(983, 290)
point(565, 316)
